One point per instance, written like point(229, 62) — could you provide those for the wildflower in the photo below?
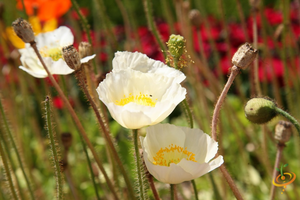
point(140, 91)
point(50, 45)
point(175, 154)
point(46, 9)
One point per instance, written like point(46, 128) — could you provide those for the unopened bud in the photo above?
point(23, 30)
point(66, 140)
point(283, 131)
point(71, 56)
point(195, 17)
point(95, 170)
point(84, 49)
point(176, 45)
point(260, 110)
point(244, 56)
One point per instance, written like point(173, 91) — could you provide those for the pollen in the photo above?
point(172, 154)
point(54, 53)
point(141, 99)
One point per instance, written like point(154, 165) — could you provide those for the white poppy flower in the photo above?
point(140, 62)
point(50, 46)
point(175, 154)
point(137, 99)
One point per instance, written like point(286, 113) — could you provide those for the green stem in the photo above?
point(15, 148)
point(172, 191)
point(215, 188)
point(85, 27)
point(195, 188)
point(153, 28)
point(138, 165)
point(289, 117)
point(90, 166)
point(24, 9)
point(8, 175)
point(54, 150)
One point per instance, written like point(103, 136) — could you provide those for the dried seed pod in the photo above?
point(283, 131)
point(195, 17)
point(71, 56)
point(244, 56)
point(84, 49)
point(23, 30)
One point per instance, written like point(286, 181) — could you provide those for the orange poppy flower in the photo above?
point(46, 9)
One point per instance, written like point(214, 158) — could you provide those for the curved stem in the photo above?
point(16, 149)
point(195, 189)
point(76, 121)
point(152, 186)
point(234, 72)
point(289, 117)
point(138, 165)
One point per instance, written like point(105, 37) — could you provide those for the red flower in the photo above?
point(58, 102)
point(47, 9)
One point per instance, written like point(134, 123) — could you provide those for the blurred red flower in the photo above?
point(46, 9)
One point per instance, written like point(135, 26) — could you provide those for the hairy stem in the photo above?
point(16, 149)
point(54, 150)
point(138, 165)
point(289, 117)
point(76, 121)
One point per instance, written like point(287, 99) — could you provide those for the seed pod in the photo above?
point(244, 56)
point(23, 30)
point(71, 56)
point(84, 49)
point(195, 17)
point(283, 131)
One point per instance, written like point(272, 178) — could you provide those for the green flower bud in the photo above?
point(176, 45)
point(260, 110)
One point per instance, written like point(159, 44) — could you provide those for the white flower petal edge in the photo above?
point(87, 59)
point(140, 62)
point(164, 90)
point(162, 135)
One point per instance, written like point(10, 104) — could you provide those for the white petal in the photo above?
point(88, 58)
point(161, 136)
point(166, 91)
point(199, 169)
point(58, 67)
point(140, 62)
point(37, 74)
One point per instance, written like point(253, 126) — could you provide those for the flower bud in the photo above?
point(195, 17)
point(176, 45)
point(84, 49)
point(283, 131)
point(244, 56)
point(23, 30)
point(66, 139)
point(260, 110)
point(71, 56)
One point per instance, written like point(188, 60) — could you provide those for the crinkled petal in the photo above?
point(87, 59)
point(57, 38)
point(140, 62)
point(164, 90)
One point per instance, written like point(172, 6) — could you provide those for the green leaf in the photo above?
point(277, 169)
point(285, 165)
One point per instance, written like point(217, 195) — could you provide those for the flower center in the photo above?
point(141, 99)
point(54, 53)
point(172, 154)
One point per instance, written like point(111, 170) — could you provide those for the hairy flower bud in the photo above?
point(244, 56)
point(176, 45)
point(283, 131)
point(23, 30)
point(71, 56)
point(260, 110)
point(84, 49)
point(195, 17)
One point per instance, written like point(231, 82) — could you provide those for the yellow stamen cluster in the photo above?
point(54, 53)
point(141, 99)
point(172, 154)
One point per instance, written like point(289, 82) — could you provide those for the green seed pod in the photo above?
point(260, 110)
point(176, 45)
